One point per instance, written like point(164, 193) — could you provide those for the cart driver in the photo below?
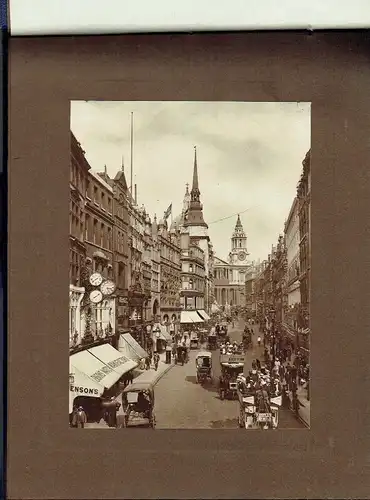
point(143, 401)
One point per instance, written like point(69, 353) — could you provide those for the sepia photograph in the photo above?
point(190, 261)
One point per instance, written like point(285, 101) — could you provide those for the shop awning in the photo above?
point(113, 358)
point(195, 317)
point(164, 335)
point(128, 346)
point(185, 317)
point(91, 372)
point(203, 315)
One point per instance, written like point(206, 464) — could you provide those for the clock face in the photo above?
point(96, 279)
point(96, 296)
point(107, 287)
point(242, 256)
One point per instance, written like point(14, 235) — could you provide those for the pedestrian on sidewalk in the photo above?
point(80, 418)
point(259, 341)
point(148, 362)
point(156, 360)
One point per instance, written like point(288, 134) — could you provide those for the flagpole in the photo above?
point(132, 151)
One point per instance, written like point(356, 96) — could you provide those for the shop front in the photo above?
point(94, 375)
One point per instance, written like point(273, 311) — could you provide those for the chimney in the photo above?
point(135, 198)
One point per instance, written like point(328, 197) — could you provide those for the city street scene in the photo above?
point(189, 294)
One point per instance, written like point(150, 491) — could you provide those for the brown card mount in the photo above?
point(45, 458)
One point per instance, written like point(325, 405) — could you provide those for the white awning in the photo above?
point(127, 344)
point(81, 384)
point(113, 358)
point(104, 372)
point(194, 316)
point(185, 317)
point(204, 315)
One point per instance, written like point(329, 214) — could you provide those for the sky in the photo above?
point(249, 159)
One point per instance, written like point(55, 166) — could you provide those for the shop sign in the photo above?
point(84, 390)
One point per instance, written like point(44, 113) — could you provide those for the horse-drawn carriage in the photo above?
point(257, 410)
point(203, 363)
point(138, 405)
point(194, 340)
point(232, 365)
point(212, 342)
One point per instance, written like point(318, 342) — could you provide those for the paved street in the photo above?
point(183, 404)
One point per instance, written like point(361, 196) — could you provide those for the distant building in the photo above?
point(230, 277)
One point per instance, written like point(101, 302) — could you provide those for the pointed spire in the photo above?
point(195, 172)
point(187, 189)
point(105, 170)
point(123, 165)
point(238, 223)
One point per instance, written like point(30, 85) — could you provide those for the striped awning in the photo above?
point(202, 313)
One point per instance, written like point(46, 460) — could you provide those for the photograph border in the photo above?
point(46, 458)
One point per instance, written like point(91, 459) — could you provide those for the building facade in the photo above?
point(121, 249)
point(192, 223)
point(193, 275)
point(292, 288)
point(170, 275)
point(99, 319)
point(79, 172)
point(230, 277)
point(304, 211)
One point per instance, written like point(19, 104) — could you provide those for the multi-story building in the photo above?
point(170, 275)
point(121, 253)
point(292, 288)
point(279, 268)
point(79, 171)
point(139, 285)
point(156, 274)
point(192, 222)
point(250, 298)
point(229, 277)
point(193, 286)
point(304, 211)
point(99, 223)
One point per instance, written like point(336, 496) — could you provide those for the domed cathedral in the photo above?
point(197, 277)
point(229, 277)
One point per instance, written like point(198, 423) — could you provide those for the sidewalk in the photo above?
point(139, 376)
point(304, 411)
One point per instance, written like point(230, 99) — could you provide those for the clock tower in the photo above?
point(239, 252)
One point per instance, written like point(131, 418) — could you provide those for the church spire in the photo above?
point(195, 172)
point(194, 216)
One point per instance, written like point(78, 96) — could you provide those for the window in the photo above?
point(110, 206)
point(102, 235)
point(87, 193)
point(96, 194)
point(102, 202)
point(109, 239)
point(95, 232)
point(190, 268)
point(191, 284)
point(87, 223)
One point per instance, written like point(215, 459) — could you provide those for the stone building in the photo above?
point(121, 250)
point(229, 277)
point(292, 286)
point(139, 280)
point(193, 286)
point(99, 223)
point(170, 275)
point(304, 211)
point(192, 222)
point(79, 171)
